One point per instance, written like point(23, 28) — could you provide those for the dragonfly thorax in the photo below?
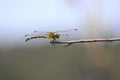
point(52, 35)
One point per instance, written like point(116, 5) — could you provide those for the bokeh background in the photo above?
point(38, 60)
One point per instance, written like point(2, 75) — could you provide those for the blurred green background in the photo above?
point(76, 62)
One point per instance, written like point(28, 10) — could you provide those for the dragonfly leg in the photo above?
point(51, 42)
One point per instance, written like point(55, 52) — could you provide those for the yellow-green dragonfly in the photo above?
point(54, 36)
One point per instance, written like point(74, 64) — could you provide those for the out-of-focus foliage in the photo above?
point(77, 62)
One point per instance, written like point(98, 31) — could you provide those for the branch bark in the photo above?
point(86, 41)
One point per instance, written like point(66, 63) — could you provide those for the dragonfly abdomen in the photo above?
point(29, 38)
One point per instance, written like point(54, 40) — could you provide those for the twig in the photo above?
point(86, 41)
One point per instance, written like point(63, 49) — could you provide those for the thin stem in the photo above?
point(86, 41)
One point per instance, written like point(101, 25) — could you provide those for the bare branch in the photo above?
point(86, 41)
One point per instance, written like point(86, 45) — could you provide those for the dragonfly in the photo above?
point(54, 36)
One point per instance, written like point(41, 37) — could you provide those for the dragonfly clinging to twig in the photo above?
point(54, 36)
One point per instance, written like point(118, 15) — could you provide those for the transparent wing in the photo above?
point(71, 34)
point(69, 30)
point(36, 33)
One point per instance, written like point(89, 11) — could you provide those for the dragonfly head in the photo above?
point(56, 35)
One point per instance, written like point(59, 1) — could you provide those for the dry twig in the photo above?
point(86, 41)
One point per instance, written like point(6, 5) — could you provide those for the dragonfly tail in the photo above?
point(30, 38)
